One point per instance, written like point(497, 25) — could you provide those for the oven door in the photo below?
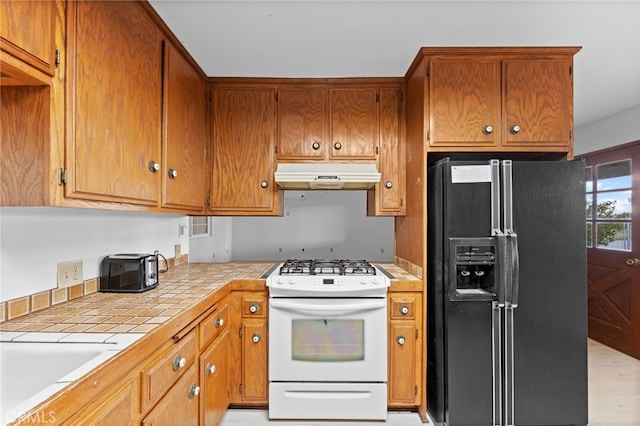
point(328, 339)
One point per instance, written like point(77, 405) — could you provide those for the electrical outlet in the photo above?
point(178, 250)
point(70, 273)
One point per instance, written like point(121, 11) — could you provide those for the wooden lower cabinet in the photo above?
point(180, 405)
point(118, 408)
point(250, 380)
point(405, 349)
point(214, 380)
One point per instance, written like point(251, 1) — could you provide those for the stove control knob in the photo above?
point(376, 281)
point(363, 281)
point(292, 281)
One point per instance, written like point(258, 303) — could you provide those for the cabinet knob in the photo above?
point(256, 338)
point(153, 166)
point(209, 369)
point(400, 340)
point(219, 322)
point(404, 310)
point(337, 145)
point(253, 308)
point(172, 173)
point(633, 262)
point(514, 129)
point(388, 184)
point(264, 184)
point(194, 390)
point(487, 130)
point(178, 362)
point(316, 145)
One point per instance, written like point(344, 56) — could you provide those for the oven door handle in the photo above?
point(325, 308)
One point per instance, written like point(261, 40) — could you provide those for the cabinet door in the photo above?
point(387, 197)
point(301, 124)
point(538, 102)
point(27, 31)
point(180, 405)
point(214, 380)
point(255, 380)
point(114, 122)
point(243, 152)
point(119, 408)
point(464, 100)
point(353, 120)
point(185, 121)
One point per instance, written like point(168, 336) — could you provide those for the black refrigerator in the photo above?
point(507, 293)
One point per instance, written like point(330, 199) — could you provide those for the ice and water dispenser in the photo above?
point(473, 268)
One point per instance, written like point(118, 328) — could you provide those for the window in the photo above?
point(608, 206)
point(200, 226)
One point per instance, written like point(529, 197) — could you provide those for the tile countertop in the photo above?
point(180, 288)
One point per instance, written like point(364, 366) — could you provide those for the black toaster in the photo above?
point(128, 273)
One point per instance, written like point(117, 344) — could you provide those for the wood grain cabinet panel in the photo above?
point(501, 101)
point(353, 118)
point(302, 124)
point(184, 134)
point(114, 103)
point(405, 349)
point(243, 152)
point(180, 405)
point(214, 380)
point(36, 46)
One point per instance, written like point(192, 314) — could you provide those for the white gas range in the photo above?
point(328, 340)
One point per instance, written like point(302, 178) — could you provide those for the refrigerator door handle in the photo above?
point(497, 357)
point(514, 281)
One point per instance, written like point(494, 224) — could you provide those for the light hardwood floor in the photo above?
point(614, 397)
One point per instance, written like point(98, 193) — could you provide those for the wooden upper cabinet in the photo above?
point(508, 100)
point(464, 99)
point(36, 45)
point(184, 134)
point(538, 102)
point(243, 149)
point(301, 124)
point(353, 118)
point(387, 198)
point(114, 103)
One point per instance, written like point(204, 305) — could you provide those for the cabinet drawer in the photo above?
point(213, 325)
point(180, 405)
point(167, 368)
point(402, 308)
point(254, 306)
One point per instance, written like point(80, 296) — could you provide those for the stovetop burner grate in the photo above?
point(326, 267)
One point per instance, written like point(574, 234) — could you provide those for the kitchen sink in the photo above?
point(35, 365)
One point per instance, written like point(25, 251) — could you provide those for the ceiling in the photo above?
point(380, 38)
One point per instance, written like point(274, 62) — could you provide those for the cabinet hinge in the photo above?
point(570, 69)
point(276, 96)
point(207, 201)
point(376, 150)
point(276, 148)
point(428, 135)
point(416, 328)
point(62, 176)
point(240, 388)
point(401, 95)
point(415, 390)
point(570, 135)
point(209, 95)
point(377, 97)
point(57, 58)
point(428, 71)
point(240, 332)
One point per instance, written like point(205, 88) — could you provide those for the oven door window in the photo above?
point(327, 340)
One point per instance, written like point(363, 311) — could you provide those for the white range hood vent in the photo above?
point(301, 176)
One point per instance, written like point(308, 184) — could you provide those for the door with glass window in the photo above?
point(613, 246)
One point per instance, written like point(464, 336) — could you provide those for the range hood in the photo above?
point(301, 176)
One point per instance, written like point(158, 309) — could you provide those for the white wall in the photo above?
point(217, 246)
point(614, 130)
point(313, 223)
point(33, 240)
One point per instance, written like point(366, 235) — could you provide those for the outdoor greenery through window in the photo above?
point(608, 205)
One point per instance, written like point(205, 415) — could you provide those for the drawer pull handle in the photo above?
point(487, 130)
point(400, 340)
point(404, 310)
point(253, 308)
point(315, 146)
point(153, 166)
point(514, 130)
point(219, 322)
point(194, 390)
point(209, 369)
point(178, 362)
point(256, 338)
